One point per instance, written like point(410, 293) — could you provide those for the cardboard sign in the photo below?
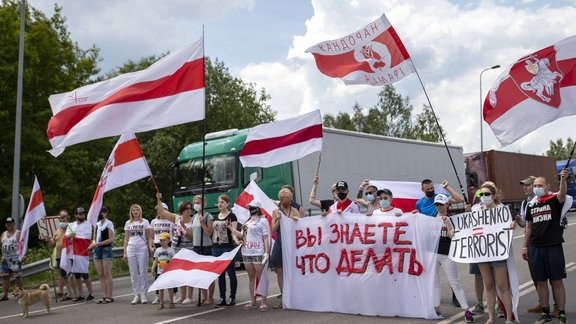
point(47, 226)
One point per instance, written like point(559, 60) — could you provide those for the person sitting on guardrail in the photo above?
point(103, 256)
point(11, 266)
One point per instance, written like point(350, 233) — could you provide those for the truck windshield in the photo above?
point(220, 171)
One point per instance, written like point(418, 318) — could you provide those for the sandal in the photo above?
point(278, 306)
point(109, 300)
point(100, 301)
point(171, 305)
point(250, 306)
point(207, 302)
point(161, 306)
point(263, 308)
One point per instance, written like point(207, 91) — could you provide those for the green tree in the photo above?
point(53, 63)
point(391, 116)
point(560, 151)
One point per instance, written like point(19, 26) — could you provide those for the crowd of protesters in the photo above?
point(192, 228)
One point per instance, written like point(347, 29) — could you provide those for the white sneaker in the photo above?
point(156, 300)
point(178, 300)
point(136, 300)
point(143, 298)
point(187, 301)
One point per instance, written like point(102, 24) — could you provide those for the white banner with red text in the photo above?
point(376, 265)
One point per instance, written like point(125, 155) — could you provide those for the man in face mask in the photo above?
point(343, 205)
point(370, 200)
point(543, 244)
point(425, 205)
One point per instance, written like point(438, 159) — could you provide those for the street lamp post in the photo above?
point(481, 133)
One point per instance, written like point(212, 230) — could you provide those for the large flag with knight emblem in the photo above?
point(373, 55)
point(536, 90)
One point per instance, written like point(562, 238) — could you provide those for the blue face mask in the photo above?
point(539, 192)
point(384, 203)
point(369, 197)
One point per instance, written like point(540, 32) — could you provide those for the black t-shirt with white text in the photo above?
point(545, 218)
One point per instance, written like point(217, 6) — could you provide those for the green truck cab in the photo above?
point(224, 175)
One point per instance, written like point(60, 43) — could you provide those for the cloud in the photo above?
point(450, 45)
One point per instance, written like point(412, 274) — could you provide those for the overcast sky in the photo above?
point(263, 41)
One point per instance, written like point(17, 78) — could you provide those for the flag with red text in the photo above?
point(188, 268)
point(125, 165)
point(282, 141)
point(373, 55)
point(34, 212)
point(169, 92)
point(536, 90)
point(253, 194)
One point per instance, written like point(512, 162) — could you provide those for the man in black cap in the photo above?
point(11, 266)
point(343, 205)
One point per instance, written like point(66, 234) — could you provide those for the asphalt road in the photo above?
point(122, 312)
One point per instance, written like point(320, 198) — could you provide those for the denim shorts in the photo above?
point(103, 253)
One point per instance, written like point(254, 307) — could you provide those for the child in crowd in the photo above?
point(162, 257)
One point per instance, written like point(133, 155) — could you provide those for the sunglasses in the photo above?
point(486, 194)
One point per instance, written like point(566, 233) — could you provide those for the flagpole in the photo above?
point(18, 122)
point(203, 163)
point(442, 135)
point(318, 166)
point(570, 158)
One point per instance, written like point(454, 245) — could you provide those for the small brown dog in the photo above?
point(30, 297)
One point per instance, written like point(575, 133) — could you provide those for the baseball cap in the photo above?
point(254, 207)
point(9, 220)
point(384, 191)
point(163, 205)
point(80, 210)
point(341, 185)
point(441, 199)
point(164, 236)
point(528, 181)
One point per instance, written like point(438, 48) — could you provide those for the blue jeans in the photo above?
point(231, 270)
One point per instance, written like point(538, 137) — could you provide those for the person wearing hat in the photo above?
point(162, 256)
point(11, 266)
point(255, 237)
point(159, 226)
point(441, 203)
point(343, 205)
point(79, 236)
point(103, 256)
point(324, 205)
point(385, 204)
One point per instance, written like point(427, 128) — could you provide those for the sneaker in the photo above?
point(535, 309)
point(499, 312)
point(222, 303)
point(562, 319)
point(79, 299)
point(136, 300)
point(178, 300)
point(544, 318)
point(156, 301)
point(187, 301)
point(89, 298)
point(231, 302)
point(439, 315)
point(478, 309)
point(468, 316)
point(143, 298)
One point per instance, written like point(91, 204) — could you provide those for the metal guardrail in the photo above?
point(44, 264)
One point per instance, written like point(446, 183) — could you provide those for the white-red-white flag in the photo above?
point(169, 92)
point(188, 268)
point(34, 212)
point(125, 165)
point(373, 55)
point(405, 194)
point(282, 141)
point(254, 195)
point(536, 90)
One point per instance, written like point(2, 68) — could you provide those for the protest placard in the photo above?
point(47, 226)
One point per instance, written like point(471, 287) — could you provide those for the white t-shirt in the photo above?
point(392, 212)
point(254, 232)
point(136, 232)
point(103, 227)
point(83, 230)
point(161, 226)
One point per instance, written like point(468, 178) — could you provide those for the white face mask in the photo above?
point(197, 207)
point(486, 200)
